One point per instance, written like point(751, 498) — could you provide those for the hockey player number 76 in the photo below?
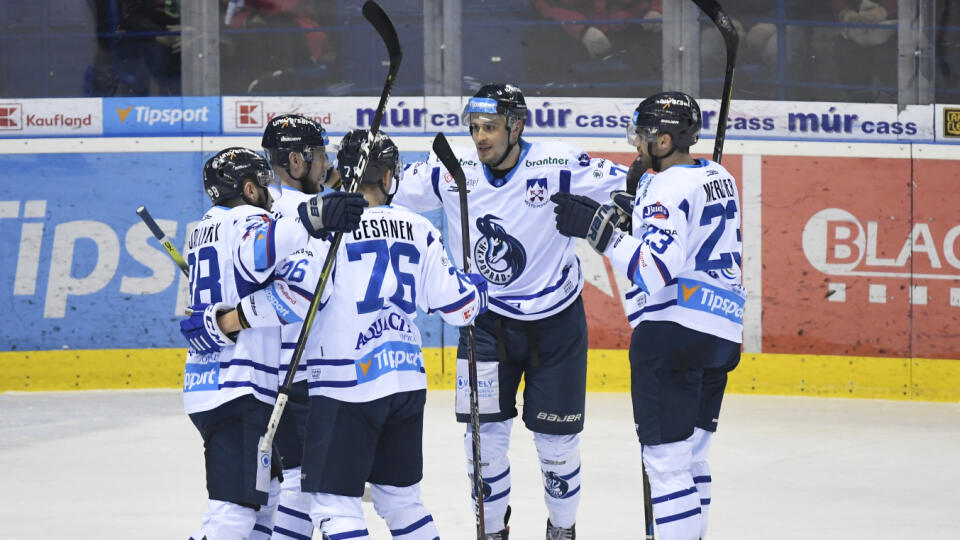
point(372, 300)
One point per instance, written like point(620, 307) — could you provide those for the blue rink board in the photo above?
point(88, 207)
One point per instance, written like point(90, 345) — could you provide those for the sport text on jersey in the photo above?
point(718, 189)
point(204, 234)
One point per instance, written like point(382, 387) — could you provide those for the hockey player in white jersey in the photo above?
point(229, 386)
point(536, 327)
point(684, 258)
point(365, 367)
point(299, 151)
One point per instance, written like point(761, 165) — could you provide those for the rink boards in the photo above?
point(851, 258)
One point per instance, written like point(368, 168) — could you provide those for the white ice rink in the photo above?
point(128, 465)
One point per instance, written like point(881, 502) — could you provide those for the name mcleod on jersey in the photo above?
point(384, 228)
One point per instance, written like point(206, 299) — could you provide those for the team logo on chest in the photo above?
point(500, 258)
point(537, 194)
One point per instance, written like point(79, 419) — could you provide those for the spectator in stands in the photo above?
point(867, 56)
point(131, 65)
point(272, 62)
point(596, 50)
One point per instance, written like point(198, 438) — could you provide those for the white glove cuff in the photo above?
point(211, 326)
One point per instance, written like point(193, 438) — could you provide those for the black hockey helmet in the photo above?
point(225, 173)
point(501, 99)
point(292, 133)
point(384, 155)
point(675, 113)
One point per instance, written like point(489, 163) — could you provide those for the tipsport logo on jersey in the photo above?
point(161, 115)
point(500, 258)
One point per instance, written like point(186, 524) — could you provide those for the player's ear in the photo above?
point(250, 190)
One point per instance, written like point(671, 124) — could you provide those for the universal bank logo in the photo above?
point(161, 115)
point(841, 246)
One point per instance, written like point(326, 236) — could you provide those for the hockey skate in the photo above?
point(559, 533)
point(502, 534)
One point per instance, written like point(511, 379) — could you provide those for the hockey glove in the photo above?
point(574, 213)
point(331, 211)
point(201, 330)
point(483, 300)
point(623, 200)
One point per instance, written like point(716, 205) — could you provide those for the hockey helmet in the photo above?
point(292, 133)
point(497, 99)
point(674, 113)
point(225, 173)
point(384, 155)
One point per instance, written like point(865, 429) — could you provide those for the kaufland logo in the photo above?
point(250, 114)
point(11, 116)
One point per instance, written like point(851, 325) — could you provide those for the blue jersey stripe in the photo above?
point(412, 527)
point(548, 290)
point(674, 495)
point(676, 517)
point(332, 384)
point(348, 534)
point(249, 363)
point(249, 384)
point(649, 309)
point(496, 496)
point(497, 477)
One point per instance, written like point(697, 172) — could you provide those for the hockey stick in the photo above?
point(162, 238)
point(442, 149)
point(731, 40)
point(647, 505)
point(381, 22)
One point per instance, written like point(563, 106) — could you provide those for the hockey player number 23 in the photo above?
point(211, 281)
point(710, 212)
point(372, 301)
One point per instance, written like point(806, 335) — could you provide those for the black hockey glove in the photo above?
point(574, 213)
point(623, 200)
point(583, 217)
point(331, 211)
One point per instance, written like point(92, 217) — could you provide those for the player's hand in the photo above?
point(331, 211)
point(574, 213)
point(483, 299)
point(623, 201)
point(201, 331)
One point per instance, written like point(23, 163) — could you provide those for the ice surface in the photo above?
point(128, 464)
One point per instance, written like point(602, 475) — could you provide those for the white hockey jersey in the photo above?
point(684, 256)
point(532, 269)
point(364, 344)
point(232, 253)
point(286, 205)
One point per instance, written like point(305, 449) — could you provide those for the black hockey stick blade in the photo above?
point(162, 238)
point(446, 156)
point(731, 40)
point(381, 22)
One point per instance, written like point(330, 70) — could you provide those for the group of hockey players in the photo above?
point(355, 413)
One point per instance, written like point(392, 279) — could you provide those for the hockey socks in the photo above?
point(560, 465)
point(494, 442)
point(293, 512)
point(403, 510)
point(676, 501)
